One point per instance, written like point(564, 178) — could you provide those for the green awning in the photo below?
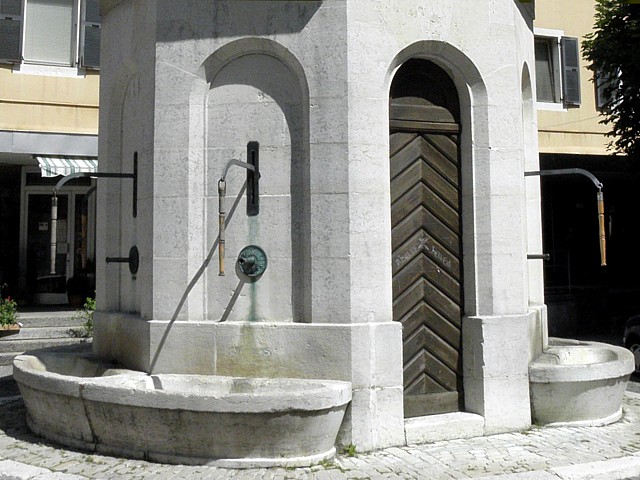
point(54, 166)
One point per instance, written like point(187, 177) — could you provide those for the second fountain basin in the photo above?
point(76, 400)
point(579, 383)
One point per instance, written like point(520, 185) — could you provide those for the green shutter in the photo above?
point(10, 30)
point(90, 57)
point(570, 71)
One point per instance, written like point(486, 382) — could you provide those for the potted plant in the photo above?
point(8, 316)
point(77, 290)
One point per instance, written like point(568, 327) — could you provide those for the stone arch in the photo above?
point(474, 141)
point(426, 235)
point(233, 102)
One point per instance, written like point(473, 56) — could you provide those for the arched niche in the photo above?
point(253, 94)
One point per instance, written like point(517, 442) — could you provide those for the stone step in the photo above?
point(15, 347)
point(29, 333)
point(50, 319)
point(6, 358)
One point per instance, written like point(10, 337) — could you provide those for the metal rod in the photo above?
point(117, 259)
point(600, 200)
point(72, 176)
point(237, 163)
point(222, 191)
point(134, 176)
point(566, 171)
point(538, 256)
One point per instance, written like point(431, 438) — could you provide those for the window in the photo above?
point(47, 32)
point(607, 87)
point(546, 72)
point(558, 70)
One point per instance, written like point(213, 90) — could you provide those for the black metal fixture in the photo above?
point(67, 178)
point(599, 200)
point(253, 194)
point(133, 260)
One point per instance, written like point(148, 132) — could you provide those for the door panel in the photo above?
point(427, 277)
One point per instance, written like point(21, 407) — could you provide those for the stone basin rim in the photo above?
point(129, 387)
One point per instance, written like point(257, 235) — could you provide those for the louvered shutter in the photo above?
point(90, 57)
point(10, 30)
point(570, 70)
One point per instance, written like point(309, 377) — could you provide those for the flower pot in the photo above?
point(9, 329)
point(76, 300)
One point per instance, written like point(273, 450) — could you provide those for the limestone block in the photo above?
point(329, 168)
point(181, 347)
point(375, 420)
point(369, 167)
point(172, 124)
point(371, 299)
point(169, 181)
point(328, 120)
point(496, 356)
point(376, 355)
point(438, 428)
point(507, 405)
point(330, 290)
point(329, 214)
point(170, 227)
point(169, 285)
point(173, 84)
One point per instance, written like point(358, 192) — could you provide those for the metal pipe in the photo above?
point(603, 238)
point(566, 171)
point(53, 234)
point(600, 200)
point(222, 191)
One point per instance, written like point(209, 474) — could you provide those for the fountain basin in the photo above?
point(235, 422)
point(579, 383)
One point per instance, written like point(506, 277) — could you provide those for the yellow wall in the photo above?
point(575, 130)
point(38, 103)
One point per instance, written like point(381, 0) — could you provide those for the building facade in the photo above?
point(583, 297)
point(49, 83)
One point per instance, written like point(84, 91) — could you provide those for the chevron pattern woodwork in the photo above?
point(425, 216)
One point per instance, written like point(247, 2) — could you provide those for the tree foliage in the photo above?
point(613, 49)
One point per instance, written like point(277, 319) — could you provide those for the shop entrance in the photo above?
point(75, 248)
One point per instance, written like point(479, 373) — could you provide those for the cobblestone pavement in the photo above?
point(540, 453)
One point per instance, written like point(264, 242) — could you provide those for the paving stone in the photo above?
point(569, 453)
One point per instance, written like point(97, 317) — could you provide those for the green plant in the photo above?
point(86, 313)
point(350, 450)
point(8, 311)
point(8, 308)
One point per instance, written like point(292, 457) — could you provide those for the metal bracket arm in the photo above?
point(599, 200)
point(134, 176)
point(237, 163)
point(567, 171)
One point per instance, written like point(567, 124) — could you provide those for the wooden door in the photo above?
point(426, 243)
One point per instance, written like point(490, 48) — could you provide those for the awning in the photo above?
point(54, 166)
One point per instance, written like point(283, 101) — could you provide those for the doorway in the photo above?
point(46, 281)
point(426, 235)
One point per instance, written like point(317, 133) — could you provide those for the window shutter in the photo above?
point(10, 30)
point(570, 70)
point(90, 57)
